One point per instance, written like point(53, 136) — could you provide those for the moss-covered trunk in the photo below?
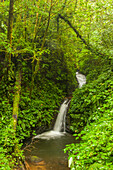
point(10, 29)
point(16, 98)
point(8, 69)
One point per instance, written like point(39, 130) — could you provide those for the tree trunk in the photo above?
point(8, 70)
point(9, 33)
point(10, 21)
point(16, 98)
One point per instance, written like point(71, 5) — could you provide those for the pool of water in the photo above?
point(48, 154)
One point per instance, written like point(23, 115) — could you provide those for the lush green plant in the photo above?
point(10, 153)
point(95, 149)
point(33, 113)
point(37, 112)
point(86, 100)
point(92, 106)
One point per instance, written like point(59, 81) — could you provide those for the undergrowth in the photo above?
point(92, 111)
point(34, 113)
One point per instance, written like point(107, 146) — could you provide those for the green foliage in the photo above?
point(10, 153)
point(92, 106)
point(96, 148)
point(55, 66)
point(88, 99)
point(37, 112)
point(56, 69)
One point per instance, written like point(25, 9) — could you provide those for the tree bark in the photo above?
point(8, 70)
point(9, 37)
point(16, 98)
point(10, 21)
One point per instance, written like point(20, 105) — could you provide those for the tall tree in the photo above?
point(16, 97)
point(17, 87)
point(10, 28)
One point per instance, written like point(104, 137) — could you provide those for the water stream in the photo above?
point(46, 150)
point(48, 154)
point(59, 124)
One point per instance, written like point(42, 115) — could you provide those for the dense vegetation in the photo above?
point(42, 44)
point(92, 120)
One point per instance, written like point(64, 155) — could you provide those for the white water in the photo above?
point(81, 79)
point(59, 124)
point(61, 117)
point(60, 121)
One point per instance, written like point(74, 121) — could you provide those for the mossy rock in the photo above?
point(35, 159)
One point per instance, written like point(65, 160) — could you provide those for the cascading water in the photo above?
point(81, 79)
point(51, 149)
point(61, 117)
point(59, 124)
point(60, 121)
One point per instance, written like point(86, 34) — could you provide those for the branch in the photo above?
point(88, 46)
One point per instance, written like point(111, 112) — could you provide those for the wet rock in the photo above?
point(34, 159)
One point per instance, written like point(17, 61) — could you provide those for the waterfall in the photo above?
point(60, 121)
point(61, 117)
point(81, 79)
point(59, 124)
